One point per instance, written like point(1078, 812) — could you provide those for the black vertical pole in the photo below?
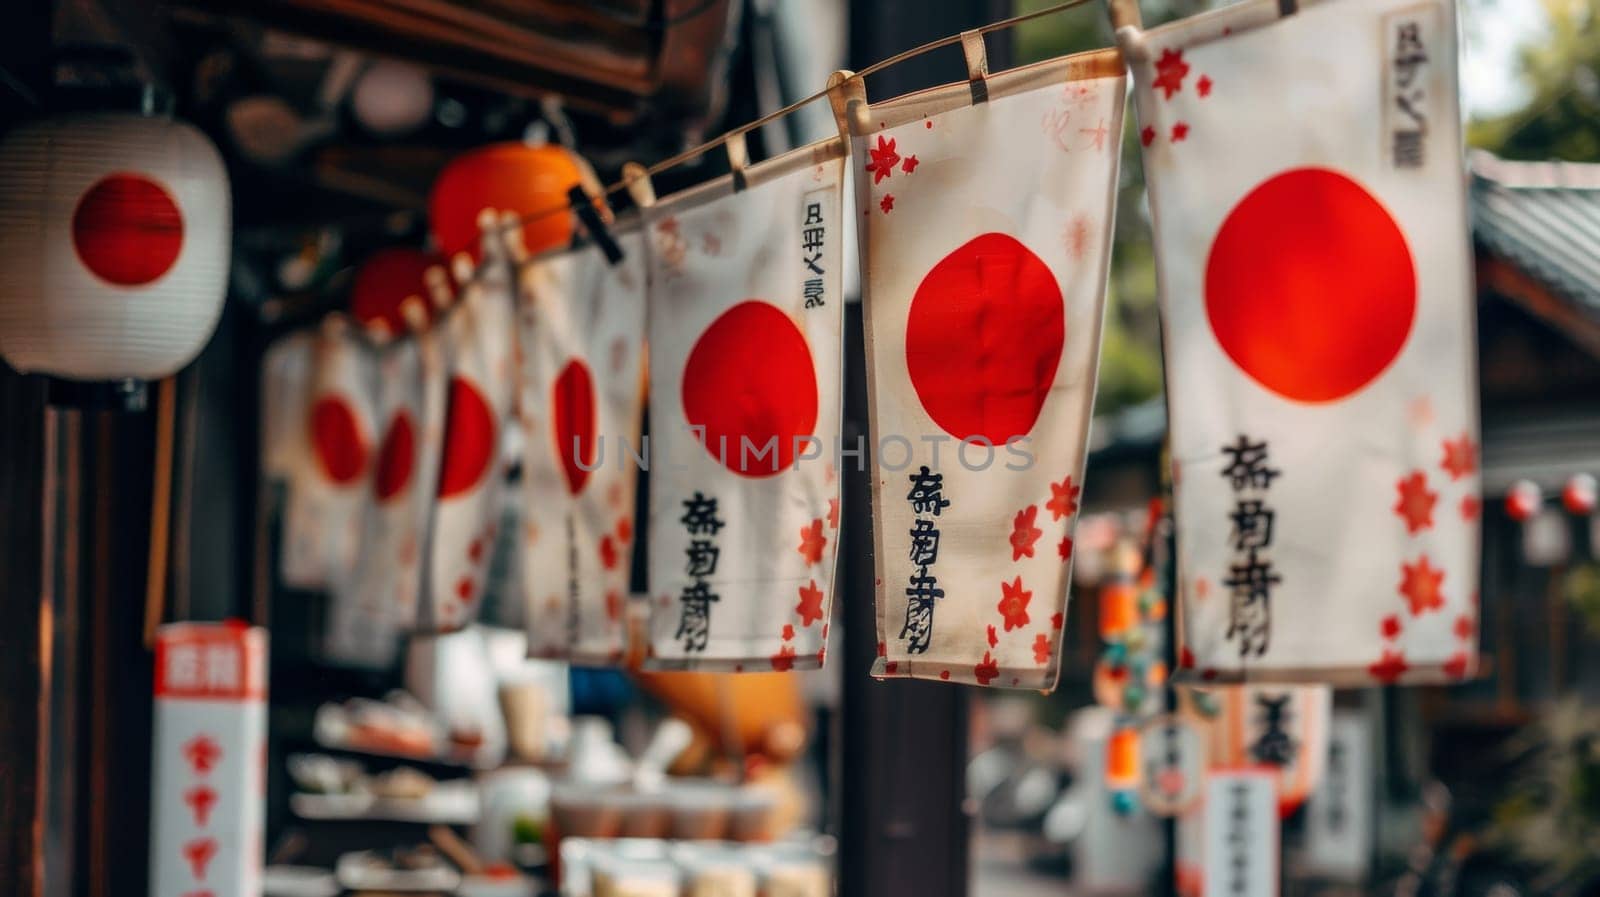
point(903, 827)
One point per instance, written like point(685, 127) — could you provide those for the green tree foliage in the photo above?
point(1561, 69)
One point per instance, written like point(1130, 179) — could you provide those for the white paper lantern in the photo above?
point(114, 245)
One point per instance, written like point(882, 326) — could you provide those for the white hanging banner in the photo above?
point(1308, 198)
point(329, 487)
point(745, 366)
point(479, 339)
point(985, 236)
point(580, 321)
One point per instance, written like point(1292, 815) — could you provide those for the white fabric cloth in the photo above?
point(1308, 196)
point(478, 337)
point(580, 323)
point(744, 333)
point(986, 231)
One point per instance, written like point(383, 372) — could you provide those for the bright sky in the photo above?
point(1494, 29)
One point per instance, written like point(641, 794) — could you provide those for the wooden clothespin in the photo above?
point(977, 65)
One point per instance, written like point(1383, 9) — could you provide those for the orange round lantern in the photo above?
point(528, 181)
point(387, 278)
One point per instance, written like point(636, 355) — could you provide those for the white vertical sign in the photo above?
point(209, 759)
point(1241, 833)
point(1339, 818)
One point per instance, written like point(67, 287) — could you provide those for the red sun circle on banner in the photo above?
point(396, 456)
point(573, 402)
point(751, 375)
point(469, 439)
point(1310, 286)
point(127, 230)
point(984, 338)
point(336, 437)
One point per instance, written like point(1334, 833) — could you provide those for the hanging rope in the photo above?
point(695, 152)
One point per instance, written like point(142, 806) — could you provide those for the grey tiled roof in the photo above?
point(1545, 218)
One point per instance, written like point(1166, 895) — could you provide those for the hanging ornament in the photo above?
point(114, 245)
point(1578, 496)
point(1523, 500)
point(527, 181)
point(385, 281)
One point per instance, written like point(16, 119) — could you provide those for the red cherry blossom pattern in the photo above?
point(1063, 499)
point(810, 607)
point(812, 541)
point(1170, 72)
point(1415, 504)
point(1390, 667)
point(986, 671)
point(1419, 586)
point(1460, 457)
point(883, 159)
point(1023, 533)
point(1013, 606)
point(1041, 649)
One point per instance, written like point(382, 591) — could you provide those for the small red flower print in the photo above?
point(1419, 586)
point(824, 630)
point(1465, 627)
point(1390, 668)
point(1056, 619)
point(1170, 72)
point(945, 675)
point(833, 513)
point(199, 853)
point(202, 752)
point(1186, 658)
point(884, 159)
point(608, 553)
point(1064, 548)
point(994, 637)
point(928, 125)
point(464, 588)
point(1202, 588)
point(1203, 86)
point(1013, 604)
point(1041, 648)
point(812, 541)
point(1180, 131)
point(475, 550)
point(985, 671)
point(810, 607)
point(783, 661)
point(200, 800)
point(1063, 499)
point(1390, 626)
point(1147, 136)
point(883, 650)
point(1415, 505)
point(1470, 508)
point(1456, 666)
point(909, 165)
point(822, 654)
point(1460, 456)
point(886, 203)
point(1024, 533)
point(624, 530)
point(613, 606)
point(788, 632)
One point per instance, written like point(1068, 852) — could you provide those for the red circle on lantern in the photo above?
point(984, 337)
point(530, 181)
point(751, 376)
point(127, 230)
point(469, 439)
point(1310, 286)
point(396, 457)
point(572, 401)
point(386, 279)
point(336, 438)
